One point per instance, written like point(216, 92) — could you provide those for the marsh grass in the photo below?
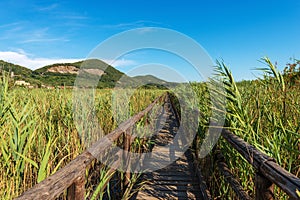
point(38, 135)
point(265, 113)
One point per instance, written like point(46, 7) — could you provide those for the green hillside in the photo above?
point(18, 70)
point(65, 74)
point(149, 81)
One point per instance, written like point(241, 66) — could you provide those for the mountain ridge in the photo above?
point(64, 74)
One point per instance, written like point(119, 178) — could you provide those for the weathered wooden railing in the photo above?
point(268, 172)
point(72, 176)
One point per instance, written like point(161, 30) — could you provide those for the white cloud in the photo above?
point(120, 63)
point(31, 62)
point(23, 59)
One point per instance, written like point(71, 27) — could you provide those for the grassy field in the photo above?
point(38, 135)
point(265, 113)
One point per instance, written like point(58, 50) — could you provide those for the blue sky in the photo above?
point(36, 33)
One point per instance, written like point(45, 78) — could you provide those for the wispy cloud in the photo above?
point(9, 25)
point(146, 30)
point(40, 40)
point(39, 36)
point(11, 31)
point(20, 57)
point(130, 25)
point(71, 20)
point(48, 7)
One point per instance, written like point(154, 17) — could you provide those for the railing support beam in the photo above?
point(264, 189)
point(77, 190)
point(127, 142)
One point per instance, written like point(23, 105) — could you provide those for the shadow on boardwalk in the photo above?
point(177, 180)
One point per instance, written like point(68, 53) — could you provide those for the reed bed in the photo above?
point(38, 135)
point(264, 112)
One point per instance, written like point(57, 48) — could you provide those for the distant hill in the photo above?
point(18, 72)
point(16, 69)
point(149, 81)
point(64, 74)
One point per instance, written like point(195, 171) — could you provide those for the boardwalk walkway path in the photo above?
point(177, 175)
point(177, 180)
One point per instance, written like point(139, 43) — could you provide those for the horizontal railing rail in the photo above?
point(267, 171)
point(72, 176)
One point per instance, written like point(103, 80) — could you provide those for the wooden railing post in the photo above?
point(127, 142)
point(77, 190)
point(264, 189)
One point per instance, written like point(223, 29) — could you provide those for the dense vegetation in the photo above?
point(266, 114)
point(38, 135)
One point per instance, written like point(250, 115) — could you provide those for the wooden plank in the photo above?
point(174, 187)
point(177, 168)
point(170, 194)
point(175, 177)
point(173, 173)
point(178, 183)
point(145, 197)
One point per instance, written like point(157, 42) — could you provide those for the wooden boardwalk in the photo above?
point(178, 176)
point(177, 180)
